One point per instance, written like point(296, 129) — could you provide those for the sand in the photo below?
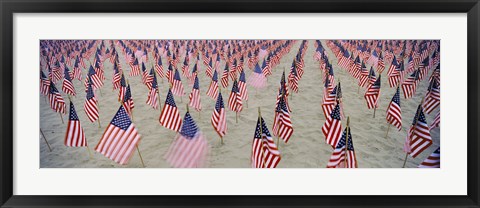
point(306, 147)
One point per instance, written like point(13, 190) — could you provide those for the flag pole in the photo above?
point(261, 135)
point(90, 156)
point(236, 117)
point(414, 128)
point(386, 135)
point(139, 154)
point(61, 117)
point(44, 138)
point(346, 142)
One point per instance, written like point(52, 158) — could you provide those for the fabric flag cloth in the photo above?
point(224, 78)
point(433, 161)
point(44, 84)
point(128, 101)
point(152, 98)
point(213, 88)
point(394, 111)
point(257, 78)
point(418, 137)
point(282, 126)
point(219, 117)
point(265, 153)
point(195, 95)
point(91, 103)
point(329, 102)
point(57, 103)
point(116, 78)
point(190, 147)
point(293, 78)
point(242, 86)
point(159, 67)
point(409, 86)
point(332, 127)
point(436, 121)
point(235, 100)
point(135, 68)
point(170, 116)
point(67, 83)
point(94, 78)
point(74, 136)
point(372, 94)
point(432, 99)
point(177, 86)
point(338, 160)
point(119, 139)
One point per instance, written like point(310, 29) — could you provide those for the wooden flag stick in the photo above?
point(98, 120)
point(60, 114)
point(386, 135)
point(236, 117)
point(414, 127)
point(346, 142)
point(261, 135)
point(44, 138)
point(140, 154)
point(374, 110)
point(89, 153)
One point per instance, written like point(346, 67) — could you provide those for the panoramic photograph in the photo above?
point(228, 103)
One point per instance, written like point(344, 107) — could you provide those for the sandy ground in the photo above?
point(306, 148)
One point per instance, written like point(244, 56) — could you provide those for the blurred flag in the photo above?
point(152, 98)
point(282, 125)
point(332, 127)
point(56, 100)
point(265, 153)
point(195, 95)
point(257, 78)
point(338, 160)
point(372, 94)
point(74, 137)
point(213, 88)
point(219, 117)
point(418, 137)
point(170, 117)
point(90, 107)
point(433, 161)
point(432, 99)
point(235, 100)
point(394, 111)
point(128, 101)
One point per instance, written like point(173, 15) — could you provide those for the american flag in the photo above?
point(242, 86)
point(282, 126)
point(149, 78)
point(333, 127)
point(266, 69)
point(152, 98)
point(74, 137)
point(145, 74)
point(194, 73)
point(93, 78)
point(392, 67)
point(432, 99)
point(213, 88)
point(90, 107)
point(265, 153)
point(56, 100)
point(257, 78)
point(77, 72)
point(185, 66)
point(170, 116)
point(283, 90)
point(233, 72)
point(293, 78)
point(418, 137)
point(235, 100)
point(159, 67)
point(372, 94)
point(380, 64)
point(67, 83)
point(219, 117)
point(177, 86)
point(135, 68)
point(170, 73)
point(195, 95)
point(409, 86)
point(116, 77)
point(190, 148)
point(122, 89)
point(224, 78)
point(44, 83)
point(436, 121)
point(338, 160)
point(364, 75)
point(128, 101)
point(394, 111)
point(209, 70)
point(119, 139)
point(344, 61)
point(329, 101)
point(433, 161)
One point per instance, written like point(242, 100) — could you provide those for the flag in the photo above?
point(128, 101)
point(213, 88)
point(90, 107)
point(170, 73)
point(44, 83)
point(74, 137)
point(436, 121)
point(135, 68)
point(116, 77)
point(56, 100)
point(77, 73)
point(338, 160)
point(433, 161)
point(392, 67)
point(293, 78)
point(418, 137)
point(67, 83)
point(159, 67)
point(409, 86)
point(432, 99)
point(190, 148)
point(265, 153)
point(195, 95)
point(242, 86)
point(372, 94)
point(170, 117)
point(209, 70)
point(219, 117)
point(177, 86)
point(380, 64)
point(119, 139)
point(94, 78)
point(152, 98)
point(257, 79)
point(332, 127)
point(282, 126)
point(224, 78)
point(235, 100)
point(329, 102)
point(394, 111)
point(122, 88)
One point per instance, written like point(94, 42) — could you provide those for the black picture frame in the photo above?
point(9, 7)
